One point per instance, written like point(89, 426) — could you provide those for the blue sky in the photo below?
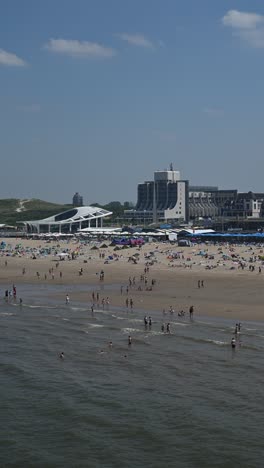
point(95, 95)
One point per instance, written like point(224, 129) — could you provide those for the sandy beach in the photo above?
point(230, 290)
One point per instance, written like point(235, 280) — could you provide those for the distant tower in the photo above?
point(171, 167)
point(77, 199)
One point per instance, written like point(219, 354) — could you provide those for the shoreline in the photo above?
point(228, 292)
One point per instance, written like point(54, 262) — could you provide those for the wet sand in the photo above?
point(228, 290)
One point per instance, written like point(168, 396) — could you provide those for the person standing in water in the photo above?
point(233, 343)
point(191, 312)
point(129, 341)
point(67, 299)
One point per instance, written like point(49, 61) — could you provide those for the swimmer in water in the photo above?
point(62, 355)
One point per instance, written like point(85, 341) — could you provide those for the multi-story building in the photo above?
point(77, 199)
point(163, 199)
point(169, 198)
point(210, 202)
point(202, 203)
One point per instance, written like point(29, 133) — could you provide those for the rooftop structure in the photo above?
point(70, 220)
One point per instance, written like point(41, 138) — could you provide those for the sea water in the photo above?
point(184, 399)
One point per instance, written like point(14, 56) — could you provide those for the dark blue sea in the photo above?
point(184, 399)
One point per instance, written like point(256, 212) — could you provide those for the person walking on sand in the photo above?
point(191, 310)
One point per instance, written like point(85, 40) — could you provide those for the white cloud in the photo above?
point(10, 60)
point(246, 26)
point(137, 40)
point(242, 20)
point(81, 49)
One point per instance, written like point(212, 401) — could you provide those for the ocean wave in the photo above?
point(95, 325)
point(218, 342)
point(118, 317)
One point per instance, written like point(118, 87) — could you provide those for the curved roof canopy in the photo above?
point(74, 215)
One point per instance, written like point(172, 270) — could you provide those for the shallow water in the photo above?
point(179, 400)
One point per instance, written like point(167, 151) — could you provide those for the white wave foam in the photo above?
point(95, 325)
point(219, 343)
